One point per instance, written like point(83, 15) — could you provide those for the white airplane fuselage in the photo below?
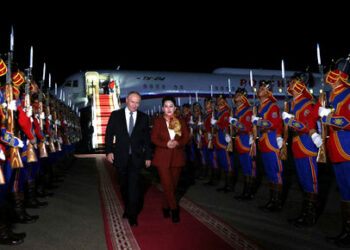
point(185, 87)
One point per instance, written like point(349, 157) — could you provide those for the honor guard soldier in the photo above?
point(270, 123)
point(306, 142)
point(241, 121)
point(207, 143)
point(337, 118)
point(7, 140)
point(189, 148)
point(197, 131)
point(221, 140)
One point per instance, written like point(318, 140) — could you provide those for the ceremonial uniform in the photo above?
point(269, 121)
point(221, 140)
point(305, 142)
point(338, 144)
point(241, 121)
point(207, 149)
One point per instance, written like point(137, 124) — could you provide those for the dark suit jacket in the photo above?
point(164, 156)
point(139, 139)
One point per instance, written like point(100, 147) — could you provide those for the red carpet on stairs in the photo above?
point(198, 228)
point(103, 108)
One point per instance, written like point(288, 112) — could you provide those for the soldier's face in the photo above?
point(262, 91)
point(237, 98)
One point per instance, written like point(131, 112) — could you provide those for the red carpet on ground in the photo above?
point(198, 228)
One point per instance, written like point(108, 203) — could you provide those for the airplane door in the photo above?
point(92, 82)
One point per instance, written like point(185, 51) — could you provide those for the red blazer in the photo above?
point(163, 156)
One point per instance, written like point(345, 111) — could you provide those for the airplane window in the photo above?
point(181, 87)
point(145, 86)
point(216, 88)
point(163, 86)
point(68, 84)
point(222, 88)
point(175, 86)
point(157, 86)
point(75, 83)
point(151, 86)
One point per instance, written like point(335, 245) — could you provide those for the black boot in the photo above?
point(7, 237)
point(40, 187)
point(31, 200)
point(275, 202)
point(166, 212)
point(343, 239)
point(19, 213)
point(226, 180)
point(211, 177)
point(308, 214)
point(248, 189)
point(175, 215)
point(231, 181)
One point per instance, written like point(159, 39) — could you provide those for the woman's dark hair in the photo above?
point(168, 98)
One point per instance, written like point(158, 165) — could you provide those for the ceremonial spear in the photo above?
point(284, 151)
point(31, 155)
point(322, 156)
point(252, 151)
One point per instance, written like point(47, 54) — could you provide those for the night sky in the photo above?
point(167, 41)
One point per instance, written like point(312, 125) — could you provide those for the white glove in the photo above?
point(209, 136)
point(20, 143)
point(49, 117)
point(286, 115)
point(199, 123)
point(42, 115)
point(198, 138)
point(12, 106)
point(317, 139)
point(227, 138)
point(279, 142)
point(233, 120)
point(323, 111)
point(255, 118)
point(65, 122)
point(29, 112)
point(2, 155)
point(251, 140)
point(4, 104)
point(213, 121)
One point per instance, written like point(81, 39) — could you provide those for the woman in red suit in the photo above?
point(170, 134)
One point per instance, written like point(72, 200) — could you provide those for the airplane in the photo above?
point(186, 87)
point(86, 90)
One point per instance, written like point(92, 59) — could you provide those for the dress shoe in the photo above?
point(175, 217)
point(166, 212)
point(133, 222)
point(125, 215)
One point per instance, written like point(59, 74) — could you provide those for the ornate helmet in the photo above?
point(340, 71)
point(17, 78)
point(221, 101)
point(302, 79)
point(3, 68)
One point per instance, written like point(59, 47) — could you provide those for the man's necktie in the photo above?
point(131, 127)
point(131, 123)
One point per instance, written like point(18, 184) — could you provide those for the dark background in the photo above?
point(174, 38)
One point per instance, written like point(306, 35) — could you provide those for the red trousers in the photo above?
point(169, 178)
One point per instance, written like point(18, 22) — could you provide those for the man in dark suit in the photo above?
point(128, 148)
